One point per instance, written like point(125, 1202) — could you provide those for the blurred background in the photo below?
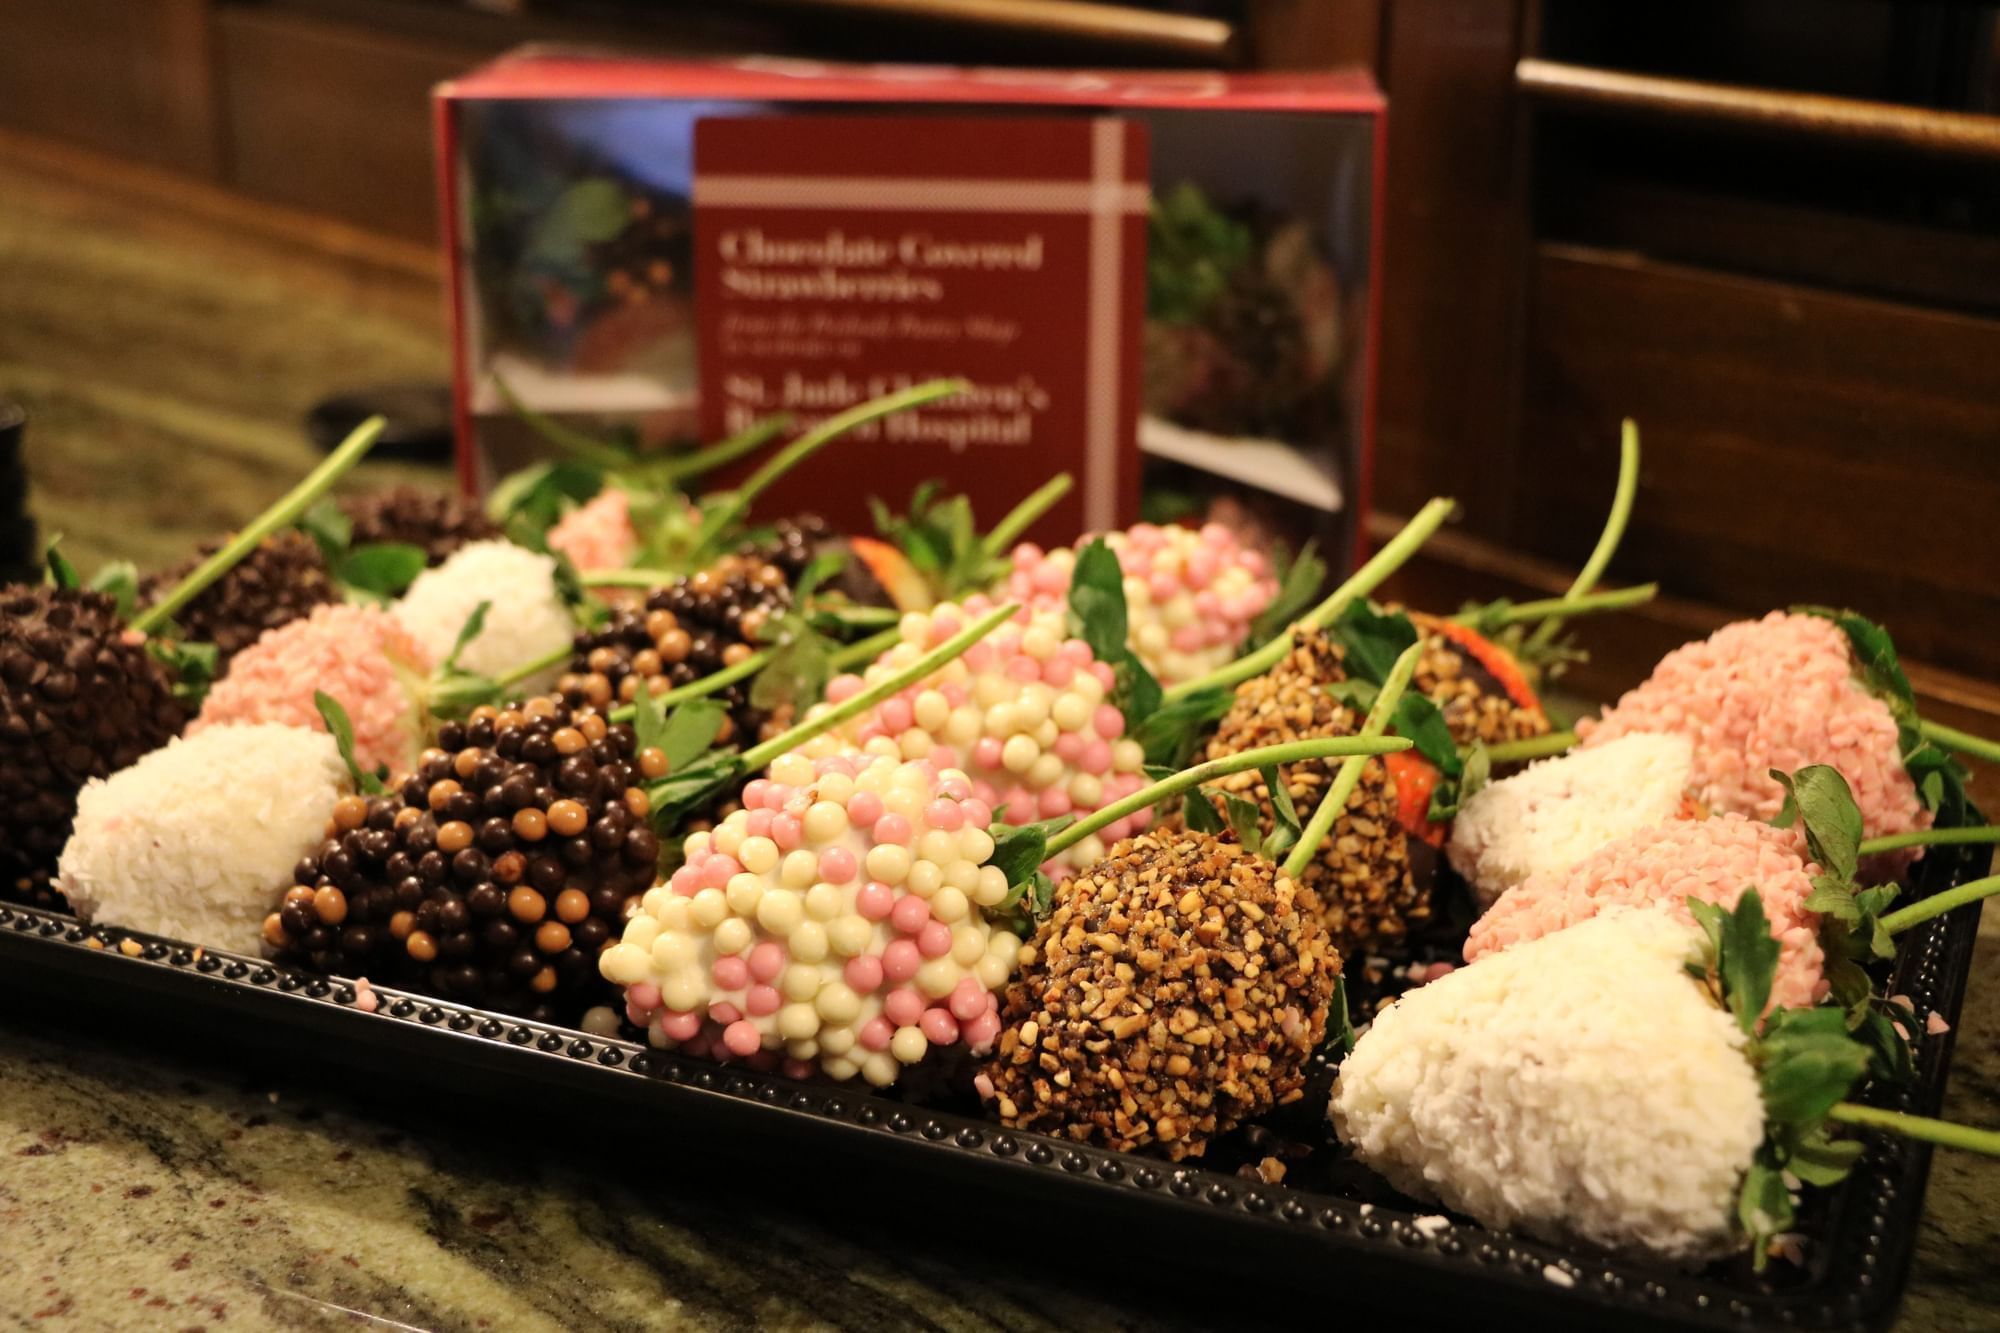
point(1768, 231)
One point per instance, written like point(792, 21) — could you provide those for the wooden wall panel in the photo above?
point(130, 77)
point(1800, 445)
point(1452, 244)
point(335, 118)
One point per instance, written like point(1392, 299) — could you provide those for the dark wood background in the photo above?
point(1799, 303)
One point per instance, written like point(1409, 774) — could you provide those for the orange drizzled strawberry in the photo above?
point(1498, 662)
point(1416, 778)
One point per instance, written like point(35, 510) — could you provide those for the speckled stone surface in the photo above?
point(167, 366)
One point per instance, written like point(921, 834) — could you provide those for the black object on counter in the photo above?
point(419, 417)
point(20, 546)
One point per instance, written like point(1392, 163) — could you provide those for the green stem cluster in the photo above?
point(1942, 1132)
point(1961, 742)
point(758, 756)
point(1618, 599)
point(1531, 747)
point(1938, 904)
point(287, 510)
point(1931, 837)
point(1019, 519)
point(1335, 747)
point(1363, 581)
point(1334, 803)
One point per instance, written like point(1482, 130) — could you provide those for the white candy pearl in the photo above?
point(962, 875)
point(881, 1069)
point(641, 931)
point(673, 951)
point(908, 1045)
point(745, 891)
point(837, 1003)
point(850, 935)
point(734, 936)
point(924, 878)
point(780, 911)
point(825, 821)
point(975, 844)
point(889, 863)
point(968, 945)
point(729, 838)
point(799, 982)
point(837, 1041)
point(824, 901)
point(709, 908)
point(800, 869)
point(839, 1066)
point(1046, 771)
point(937, 976)
point(1071, 713)
point(1000, 721)
point(836, 788)
point(916, 743)
point(624, 964)
point(992, 971)
point(1086, 790)
point(808, 942)
point(796, 1022)
point(949, 905)
point(992, 886)
point(793, 770)
point(1019, 753)
point(931, 709)
point(759, 855)
point(1128, 756)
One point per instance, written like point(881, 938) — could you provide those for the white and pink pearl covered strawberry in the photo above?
point(1190, 596)
point(1025, 714)
point(834, 922)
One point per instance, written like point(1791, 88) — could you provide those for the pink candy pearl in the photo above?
point(910, 914)
point(1200, 569)
point(954, 693)
point(1206, 604)
point(944, 815)
point(979, 811)
point(863, 974)
point(1105, 675)
point(636, 1016)
point(1024, 669)
point(938, 1026)
point(686, 881)
point(1108, 722)
point(716, 870)
point(901, 960)
point(742, 1039)
point(864, 808)
point(681, 1026)
point(1187, 638)
point(896, 716)
point(978, 657)
point(1055, 801)
point(934, 940)
point(767, 960)
point(986, 752)
point(892, 829)
point(762, 1000)
point(903, 1007)
point(786, 832)
point(1069, 747)
point(968, 999)
point(757, 824)
point(1096, 757)
point(1162, 586)
point(795, 1068)
point(1052, 578)
point(644, 994)
point(836, 865)
point(723, 1012)
point(876, 1032)
point(1077, 651)
point(753, 792)
point(842, 688)
point(1140, 818)
point(981, 1031)
point(1059, 672)
point(875, 900)
point(943, 625)
point(730, 973)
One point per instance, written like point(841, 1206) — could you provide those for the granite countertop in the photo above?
point(165, 363)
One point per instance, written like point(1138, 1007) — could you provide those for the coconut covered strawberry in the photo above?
point(1191, 595)
point(1622, 1083)
point(833, 923)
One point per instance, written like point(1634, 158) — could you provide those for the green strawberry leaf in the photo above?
point(381, 570)
point(1098, 616)
point(330, 528)
point(1200, 813)
point(1299, 582)
point(1820, 796)
point(1742, 955)
point(1019, 850)
point(1246, 820)
point(1340, 1033)
point(1371, 640)
point(120, 580)
point(467, 632)
point(1170, 733)
point(1807, 1062)
point(1763, 1207)
point(342, 730)
point(61, 572)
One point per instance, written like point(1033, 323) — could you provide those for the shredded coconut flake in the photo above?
point(1556, 812)
point(597, 535)
point(1576, 1087)
point(526, 621)
point(197, 840)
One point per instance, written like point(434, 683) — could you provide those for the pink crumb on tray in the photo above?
point(365, 998)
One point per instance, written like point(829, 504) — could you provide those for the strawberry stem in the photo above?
point(1532, 747)
point(1334, 803)
point(807, 445)
point(676, 470)
point(863, 651)
point(1333, 747)
point(1025, 513)
point(1364, 580)
point(1618, 599)
point(1942, 1132)
point(1938, 904)
point(1614, 530)
point(287, 510)
point(786, 741)
point(586, 447)
point(1931, 837)
point(1962, 742)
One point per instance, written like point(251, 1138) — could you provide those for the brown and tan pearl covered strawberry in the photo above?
point(495, 872)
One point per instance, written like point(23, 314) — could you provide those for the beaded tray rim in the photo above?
point(1857, 1271)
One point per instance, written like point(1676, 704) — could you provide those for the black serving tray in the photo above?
point(1329, 1239)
